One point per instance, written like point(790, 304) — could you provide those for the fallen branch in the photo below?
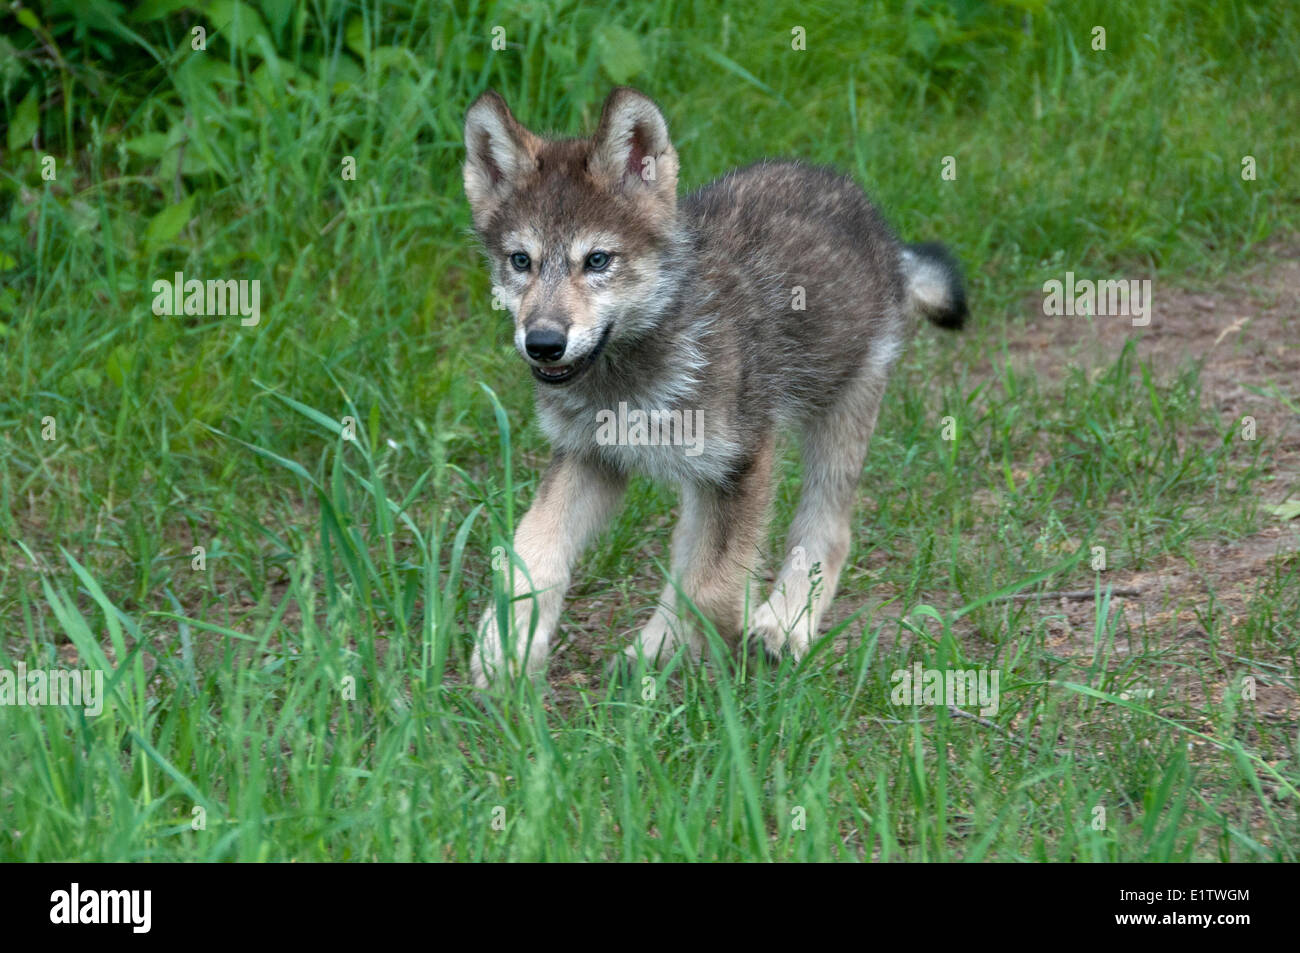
point(984, 722)
point(1077, 595)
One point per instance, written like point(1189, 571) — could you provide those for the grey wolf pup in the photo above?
point(774, 298)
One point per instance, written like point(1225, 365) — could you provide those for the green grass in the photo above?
point(306, 688)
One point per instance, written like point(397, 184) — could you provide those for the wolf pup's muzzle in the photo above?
point(545, 347)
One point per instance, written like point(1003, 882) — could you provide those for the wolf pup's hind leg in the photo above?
point(834, 448)
point(717, 547)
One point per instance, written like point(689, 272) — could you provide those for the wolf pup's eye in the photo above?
point(520, 261)
point(597, 261)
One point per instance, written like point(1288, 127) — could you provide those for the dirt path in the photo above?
point(1244, 329)
point(1245, 334)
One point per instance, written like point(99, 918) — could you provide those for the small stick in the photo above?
point(329, 226)
point(1078, 595)
point(954, 710)
point(985, 723)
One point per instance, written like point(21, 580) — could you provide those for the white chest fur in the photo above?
point(673, 443)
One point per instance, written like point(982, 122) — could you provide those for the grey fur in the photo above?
point(697, 313)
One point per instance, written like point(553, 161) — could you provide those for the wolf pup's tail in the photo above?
point(935, 287)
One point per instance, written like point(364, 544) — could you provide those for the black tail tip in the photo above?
point(950, 313)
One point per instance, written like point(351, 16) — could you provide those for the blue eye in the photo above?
point(598, 261)
point(520, 261)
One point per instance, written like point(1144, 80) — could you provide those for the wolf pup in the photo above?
point(776, 297)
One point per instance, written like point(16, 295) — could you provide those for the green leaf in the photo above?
point(151, 145)
point(156, 9)
point(354, 37)
point(397, 58)
point(620, 53)
point(277, 13)
point(120, 363)
point(167, 224)
point(1288, 510)
point(83, 378)
point(731, 66)
point(239, 25)
point(26, 118)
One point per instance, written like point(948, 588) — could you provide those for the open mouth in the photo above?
point(563, 373)
point(555, 373)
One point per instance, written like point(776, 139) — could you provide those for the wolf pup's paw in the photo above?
point(621, 670)
point(776, 638)
point(490, 665)
point(487, 664)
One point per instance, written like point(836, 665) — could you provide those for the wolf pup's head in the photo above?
point(577, 231)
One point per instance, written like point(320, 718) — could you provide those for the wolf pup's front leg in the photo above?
point(574, 501)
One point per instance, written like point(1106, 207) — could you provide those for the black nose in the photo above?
point(544, 344)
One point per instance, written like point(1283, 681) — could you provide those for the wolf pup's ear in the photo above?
point(630, 150)
point(499, 153)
